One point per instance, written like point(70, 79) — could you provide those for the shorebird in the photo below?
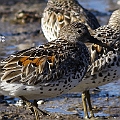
point(105, 67)
point(50, 69)
point(59, 13)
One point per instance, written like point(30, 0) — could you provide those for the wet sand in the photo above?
point(106, 100)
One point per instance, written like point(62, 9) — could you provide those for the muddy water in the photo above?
point(106, 100)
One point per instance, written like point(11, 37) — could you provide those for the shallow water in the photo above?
point(108, 96)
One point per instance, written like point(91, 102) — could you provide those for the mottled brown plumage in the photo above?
point(50, 69)
point(59, 13)
point(105, 67)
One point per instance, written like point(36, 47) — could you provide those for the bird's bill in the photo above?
point(98, 42)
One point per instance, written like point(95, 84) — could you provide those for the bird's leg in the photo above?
point(33, 107)
point(85, 105)
point(89, 103)
point(38, 110)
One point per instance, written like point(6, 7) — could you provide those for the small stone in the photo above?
point(40, 102)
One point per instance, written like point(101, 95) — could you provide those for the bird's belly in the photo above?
point(30, 92)
point(98, 79)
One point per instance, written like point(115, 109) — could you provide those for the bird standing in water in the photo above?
point(105, 67)
point(61, 12)
point(49, 70)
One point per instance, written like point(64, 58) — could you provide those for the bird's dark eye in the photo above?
point(79, 31)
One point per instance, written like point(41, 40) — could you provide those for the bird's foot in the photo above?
point(34, 108)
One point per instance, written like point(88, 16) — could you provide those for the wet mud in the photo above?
point(26, 32)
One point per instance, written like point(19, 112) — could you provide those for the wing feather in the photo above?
point(43, 64)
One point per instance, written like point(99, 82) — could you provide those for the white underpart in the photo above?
point(49, 90)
